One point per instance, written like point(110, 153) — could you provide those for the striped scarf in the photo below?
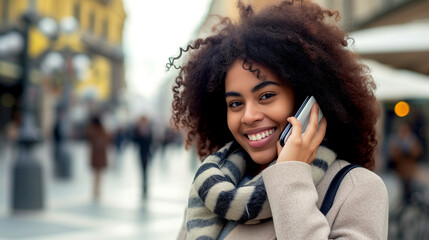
point(215, 196)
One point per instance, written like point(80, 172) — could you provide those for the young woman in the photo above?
point(238, 89)
point(99, 141)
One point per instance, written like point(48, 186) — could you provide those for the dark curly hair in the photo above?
point(296, 41)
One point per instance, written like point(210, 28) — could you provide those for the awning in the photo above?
point(403, 46)
point(394, 84)
point(408, 37)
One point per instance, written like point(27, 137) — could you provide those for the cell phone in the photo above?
point(303, 115)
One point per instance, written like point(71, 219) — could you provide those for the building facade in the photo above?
point(74, 51)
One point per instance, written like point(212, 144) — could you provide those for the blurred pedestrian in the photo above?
point(61, 157)
point(57, 137)
point(170, 138)
point(120, 138)
point(142, 136)
point(405, 150)
point(99, 141)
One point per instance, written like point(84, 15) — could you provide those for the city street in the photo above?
point(122, 213)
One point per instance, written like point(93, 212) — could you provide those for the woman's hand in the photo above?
point(303, 147)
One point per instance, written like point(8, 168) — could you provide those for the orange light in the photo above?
point(402, 109)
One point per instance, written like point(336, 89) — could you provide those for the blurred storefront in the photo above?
point(75, 55)
point(393, 34)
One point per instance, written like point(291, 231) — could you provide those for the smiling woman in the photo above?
point(238, 89)
point(256, 110)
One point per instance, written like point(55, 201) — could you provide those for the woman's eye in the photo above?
point(234, 104)
point(267, 95)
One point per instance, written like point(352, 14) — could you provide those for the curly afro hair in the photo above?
point(300, 43)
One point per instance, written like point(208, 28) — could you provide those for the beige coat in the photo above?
point(360, 209)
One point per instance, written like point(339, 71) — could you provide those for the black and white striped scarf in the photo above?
point(216, 198)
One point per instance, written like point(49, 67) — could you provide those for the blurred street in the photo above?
point(121, 213)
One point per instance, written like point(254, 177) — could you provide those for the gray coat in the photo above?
point(360, 209)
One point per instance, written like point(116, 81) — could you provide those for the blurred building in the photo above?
point(356, 15)
point(75, 58)
point(394, 33)
point(376, 14)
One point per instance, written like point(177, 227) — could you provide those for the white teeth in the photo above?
point(259, 136)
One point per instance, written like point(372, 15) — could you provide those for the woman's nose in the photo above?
point(251, 114)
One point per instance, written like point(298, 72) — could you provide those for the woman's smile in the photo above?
point(260, 135)
point(261, 138)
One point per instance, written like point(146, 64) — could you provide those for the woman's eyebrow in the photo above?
point(262, 85)
point(232, 94)
point(254, 89)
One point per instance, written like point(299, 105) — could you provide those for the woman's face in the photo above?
point(257, 110)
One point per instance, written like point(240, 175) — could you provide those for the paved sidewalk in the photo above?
point(121, 213)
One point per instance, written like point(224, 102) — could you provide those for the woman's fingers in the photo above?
point(317, 139)
point(296, 128)
point(303, 147)
point(313, 121)
point(321, 130)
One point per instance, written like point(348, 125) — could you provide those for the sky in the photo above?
point(153, 32)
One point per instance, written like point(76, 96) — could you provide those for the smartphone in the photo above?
point(303, 115)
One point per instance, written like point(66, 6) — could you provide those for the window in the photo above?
point(106, 28)
point(76, 11)
point(5, 11)
point(92, 22)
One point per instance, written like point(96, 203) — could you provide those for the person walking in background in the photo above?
point(142, 136)
point(405, 149)
point(99, 141)
point(120, 139)
point(58, 138)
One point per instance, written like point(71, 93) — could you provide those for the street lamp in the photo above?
point(28, 191)
point(27, 172)
point(11, 43)
point(48, 26)
point(74, 66)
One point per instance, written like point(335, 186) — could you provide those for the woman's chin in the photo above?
point(264, 157)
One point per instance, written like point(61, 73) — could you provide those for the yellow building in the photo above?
point(98, 35)
point(87, 39)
